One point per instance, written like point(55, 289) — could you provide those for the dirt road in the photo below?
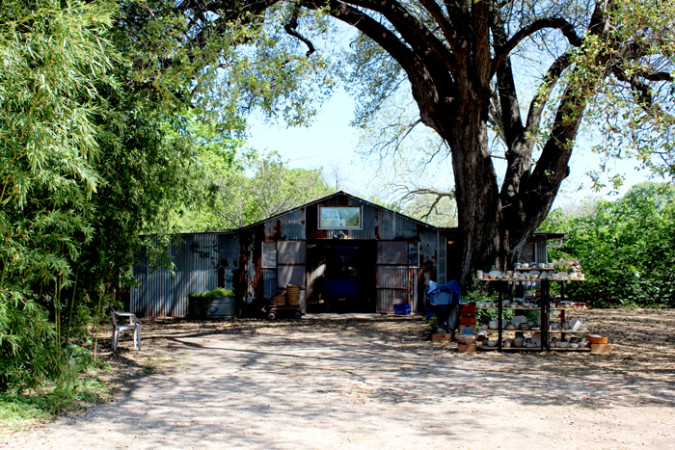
point(379, 384)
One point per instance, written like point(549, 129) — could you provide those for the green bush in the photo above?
point(219, 292)
point(626, 248)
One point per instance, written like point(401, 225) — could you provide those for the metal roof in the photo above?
point(328, 197)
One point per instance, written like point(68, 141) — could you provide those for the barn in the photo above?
point(345, 253)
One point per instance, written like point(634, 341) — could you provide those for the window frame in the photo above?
point(319, 218)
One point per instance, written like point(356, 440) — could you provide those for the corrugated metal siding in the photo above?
point(392, 252)
point(249, 264)
point(291, 252)
point(541, 251)
point(404, 228)
point(384, 225)
point(387, 298)
point(442, 271)
point(392, 277)
point(293, 225)
point(429, 252)
point(270, 280)
point(197, 260)
point(271, 229)
point(527, 255)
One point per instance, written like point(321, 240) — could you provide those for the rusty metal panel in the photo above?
point(413, 254)
point(392, 277)
point(527, 255)
point(249, 271)
point(269, 255)
point(384, 224)
point(387, 298)
point(413, 297)
point(442, 251)
point(392, 252)
point(367, 230)
point(292, 252)
point(293, 225)
point(228, 250)
point(403, 228)
point(271, 229)
point(270, 280)
point(541, 250)
point(290, 275)
point(428, 247)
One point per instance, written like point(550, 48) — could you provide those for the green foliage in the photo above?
point(625, 247)
point(105, 109)
point(55, 66)
point(20, 410)
point(637, 119)
point(486, 315)
point(247, 189)
point(219, 292)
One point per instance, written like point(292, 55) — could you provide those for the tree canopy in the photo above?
point(248, 188)
point(464, 63)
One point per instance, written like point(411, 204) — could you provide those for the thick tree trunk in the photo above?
point(476, 191)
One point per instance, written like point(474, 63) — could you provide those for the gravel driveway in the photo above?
point(370, 384)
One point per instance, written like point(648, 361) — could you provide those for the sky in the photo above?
point(330, 143)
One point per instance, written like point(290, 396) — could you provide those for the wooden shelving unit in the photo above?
point(545, 307)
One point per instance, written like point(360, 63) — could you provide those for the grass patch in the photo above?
point(23, 410)
point(155, 364)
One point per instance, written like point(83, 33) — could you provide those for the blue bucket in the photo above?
point(402, 309)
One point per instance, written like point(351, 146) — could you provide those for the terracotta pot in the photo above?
point(598, 339)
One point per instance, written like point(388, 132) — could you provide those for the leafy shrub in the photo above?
point(625, 248)
point(219, 292)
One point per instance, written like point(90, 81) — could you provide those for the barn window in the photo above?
point(340, 217)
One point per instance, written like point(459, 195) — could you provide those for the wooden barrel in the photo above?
point(279, 300)
point(293, 295)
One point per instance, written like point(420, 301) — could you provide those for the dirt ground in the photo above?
point(376, 383)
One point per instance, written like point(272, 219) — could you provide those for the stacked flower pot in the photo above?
point(467, 328)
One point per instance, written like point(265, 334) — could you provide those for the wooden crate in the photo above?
point(600, 349)
point(466, 348)
point(441, 337)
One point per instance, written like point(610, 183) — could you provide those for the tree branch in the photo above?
point(543, 94)
point(291, 29)
point(511, 120)
point(371, 28)
point(415, 33)
point(445, 22)
point(559, 23)
point(655, 76)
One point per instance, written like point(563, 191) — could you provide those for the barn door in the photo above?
point(393, 277)
point(291, 265)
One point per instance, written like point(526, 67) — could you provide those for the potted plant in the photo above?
point(566, 265)
point(219, 302)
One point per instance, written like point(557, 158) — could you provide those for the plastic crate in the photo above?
point(402, 309)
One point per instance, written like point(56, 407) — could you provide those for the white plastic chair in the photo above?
point(133, 325)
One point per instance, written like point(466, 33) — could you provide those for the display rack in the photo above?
point(544, 307)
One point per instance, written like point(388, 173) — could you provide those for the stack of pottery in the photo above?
point(467, 317)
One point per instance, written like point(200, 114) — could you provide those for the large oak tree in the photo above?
point(458, 56)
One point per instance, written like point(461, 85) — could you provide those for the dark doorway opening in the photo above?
point(341, 276)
